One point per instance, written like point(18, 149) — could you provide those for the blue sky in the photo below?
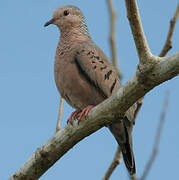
point(29, 98)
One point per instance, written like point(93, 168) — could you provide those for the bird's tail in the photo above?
point(128, 157)
point(124, 139)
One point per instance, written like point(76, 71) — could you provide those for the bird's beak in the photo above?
point(49, 22)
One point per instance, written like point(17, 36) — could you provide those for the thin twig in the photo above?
point(116, 161)
point(157, 138)
point(117, 158)
point(168, 43)
point(112, 15)
point(59, 115)
point(166, 48)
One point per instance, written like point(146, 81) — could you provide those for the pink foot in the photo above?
point(73, 116)
point(84, 112)
point(79, 114)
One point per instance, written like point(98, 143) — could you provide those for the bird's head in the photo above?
point(68, 17)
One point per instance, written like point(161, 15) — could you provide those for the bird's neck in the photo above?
point(74, 35)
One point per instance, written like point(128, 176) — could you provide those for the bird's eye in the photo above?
point(66, 13)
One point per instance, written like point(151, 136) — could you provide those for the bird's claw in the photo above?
point(73, 116)
point(84, 112)
point(79, 114)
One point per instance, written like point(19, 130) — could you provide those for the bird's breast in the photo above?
point(72, 85)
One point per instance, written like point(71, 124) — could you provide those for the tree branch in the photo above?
point(145, 79)
point(117, 158)
point(116, 161)
point(157, 138)
point(59, 115)
point(103, 114)
point(163, 52)
point(168, 43)
point(166, 48)
point(112, 15)
point(137, 31)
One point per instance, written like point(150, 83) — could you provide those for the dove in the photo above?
point(85, 77)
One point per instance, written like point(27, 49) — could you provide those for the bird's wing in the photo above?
point(93, 63)
point(97, 69)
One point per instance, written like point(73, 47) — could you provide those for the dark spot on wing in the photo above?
point(101, 62)
point(77, 52)
point(90, 52)
point(82, 50)
point(67, 98)
point(104, 67)
point(85, 75)
point(61, 53)
point(106, 76)
point(96, 57)
point(113, 85)
point(94, 67)
point(93, 62)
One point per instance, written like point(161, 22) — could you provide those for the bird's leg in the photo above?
point(84, 112)
point(73, 116)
